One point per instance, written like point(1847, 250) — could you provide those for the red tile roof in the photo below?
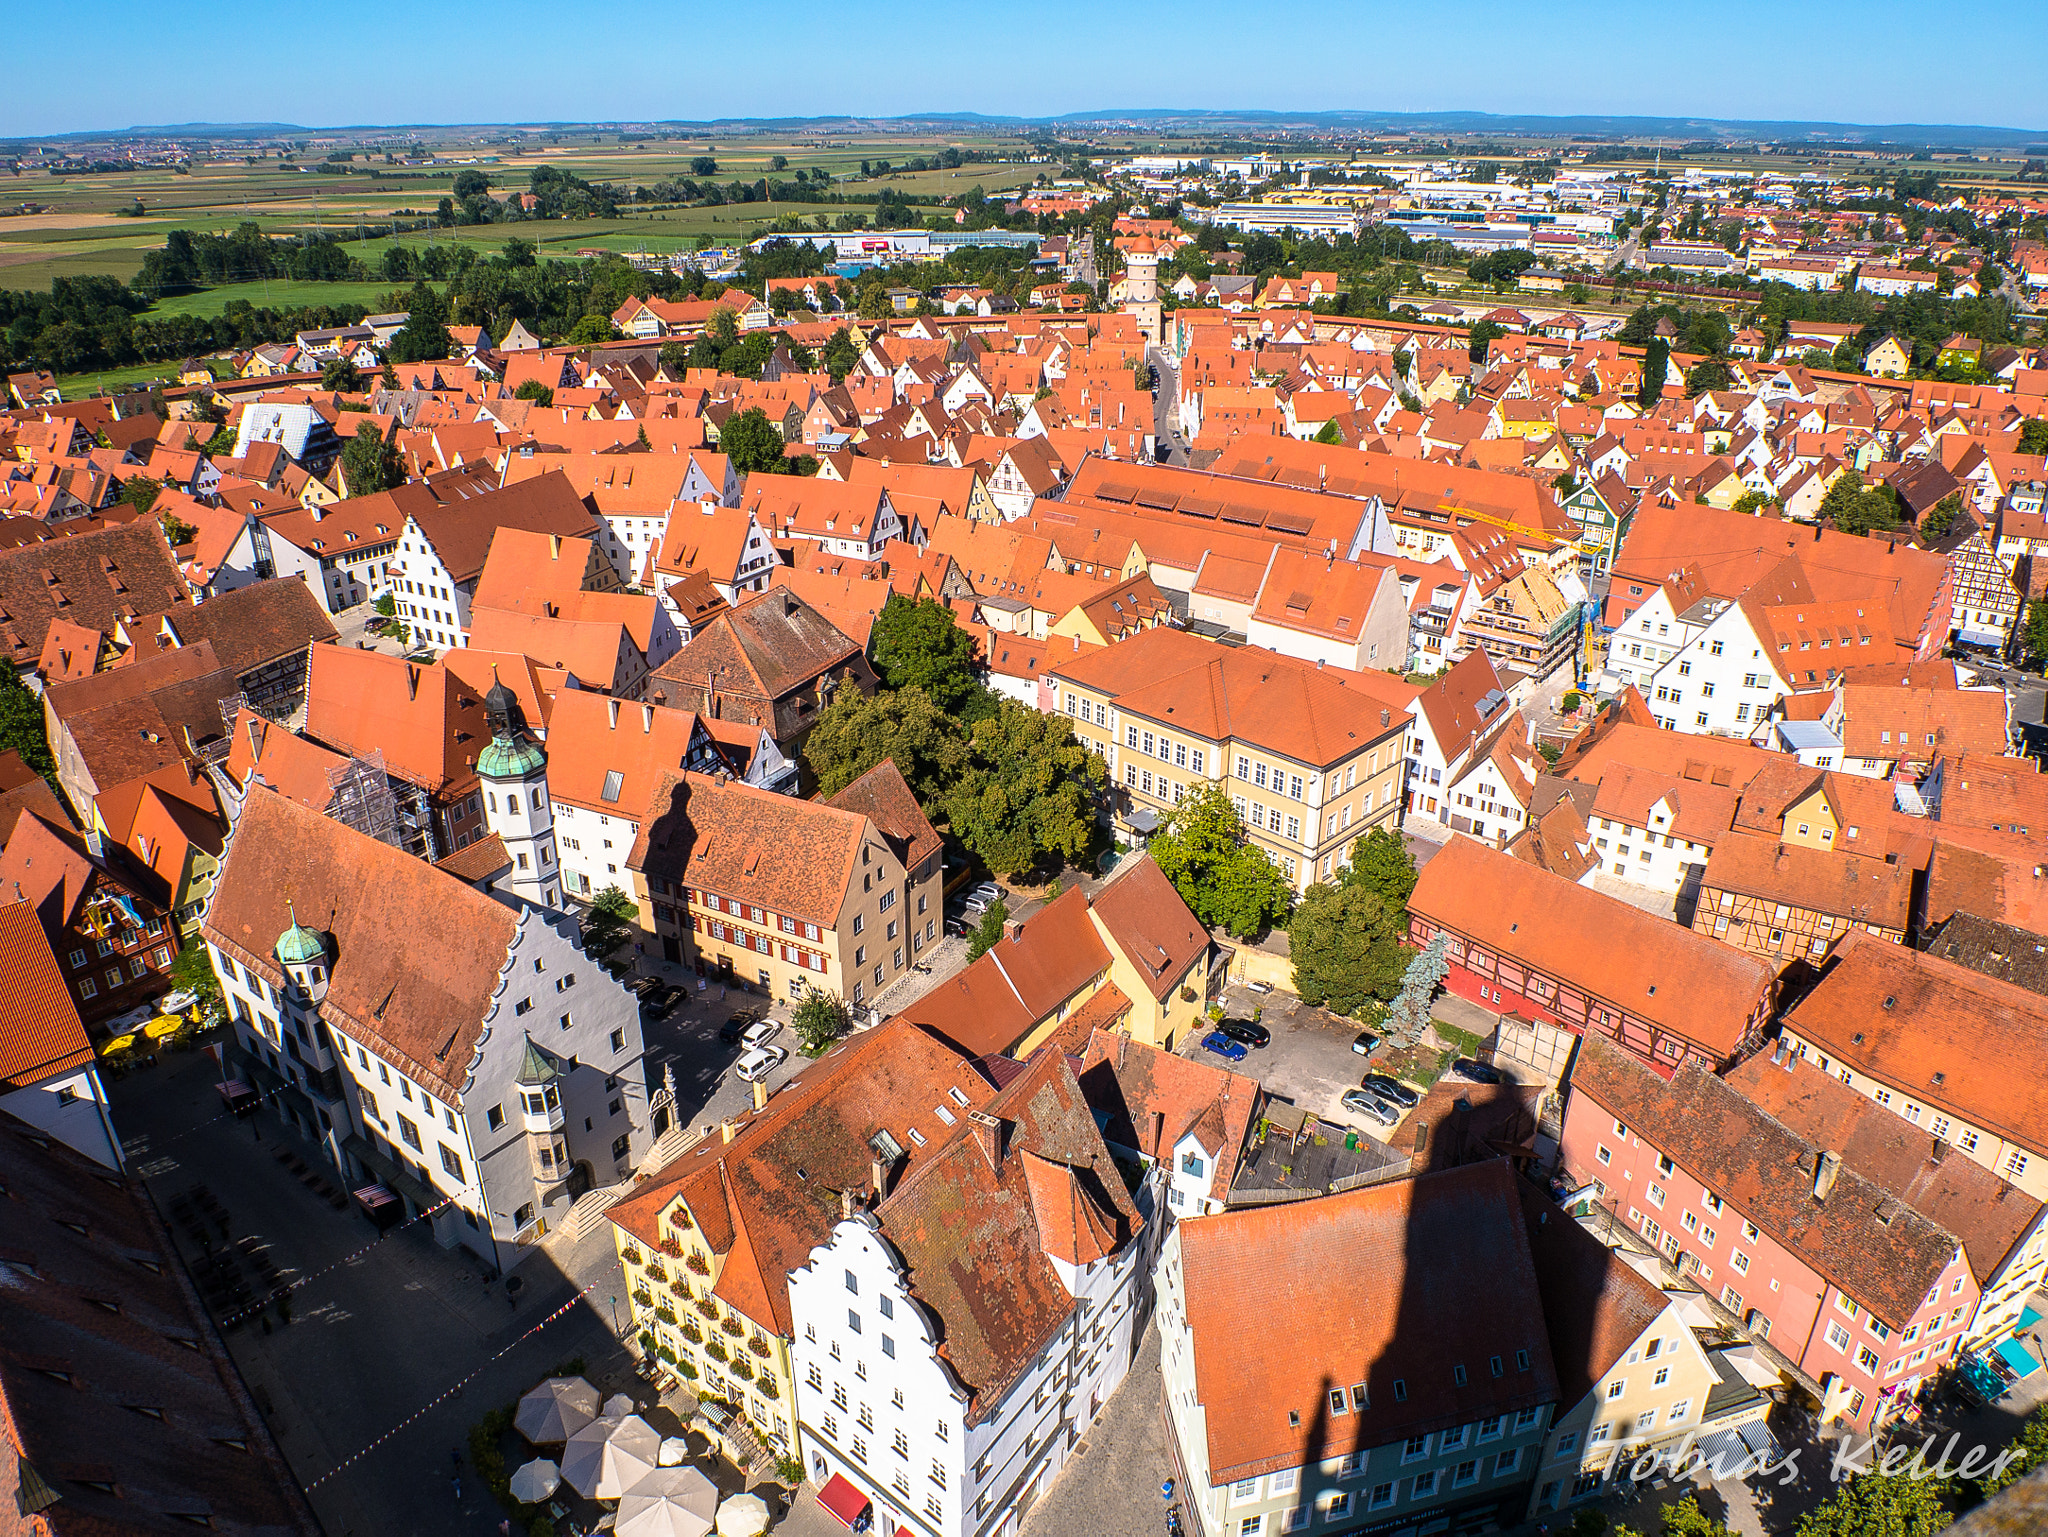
point(1392, 1283)
point(1935, 1031)
point(40, 1031)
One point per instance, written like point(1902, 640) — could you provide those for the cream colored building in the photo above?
point(1311, 756)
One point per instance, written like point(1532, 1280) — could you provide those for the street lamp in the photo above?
point(615, 1315)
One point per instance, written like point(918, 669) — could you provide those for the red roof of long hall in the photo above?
point(1696, 987)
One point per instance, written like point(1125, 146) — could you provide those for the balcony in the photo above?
point(540, 1110)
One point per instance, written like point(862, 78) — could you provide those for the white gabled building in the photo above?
point(1015, 1248)
point(485, 1080)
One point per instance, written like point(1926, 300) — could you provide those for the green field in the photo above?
point(274, 293)
point(76, 230)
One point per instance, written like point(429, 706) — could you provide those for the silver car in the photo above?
point(1369, 1104)
point(760, 1062)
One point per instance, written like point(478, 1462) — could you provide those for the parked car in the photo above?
point(1369, 1104)
point(1260, 987)
point(644, 988)
point(1250, 1032)
point(662, 999)
point(760, 1062)
point(1364, 1042)
point(761, 1032)
point(1475, 1072)
point(1224, 1046)
point(1390, 1088)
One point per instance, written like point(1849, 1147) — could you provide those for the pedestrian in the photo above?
point(505, 1527)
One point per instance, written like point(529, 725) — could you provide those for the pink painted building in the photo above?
point(1863, 1293)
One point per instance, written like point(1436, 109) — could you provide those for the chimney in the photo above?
point(846, 1204)
point(1824, 1176)
point(725, 1129)
point(878, 1176)
point(989, 1132)
point(760, 1094)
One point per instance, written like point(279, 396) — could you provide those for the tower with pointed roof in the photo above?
point(303, 954)
point(514, 771)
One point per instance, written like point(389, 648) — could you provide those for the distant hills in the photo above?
point(1200, 122)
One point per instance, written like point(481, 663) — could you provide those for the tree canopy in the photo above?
point(855, 732)
point(1029, 792)
point(1381, 864)
point(919, 644)
point(21, 724)
point(1656, 364)
point(1219, 872)
point(1346, 947)
point(751, 442)
point(1879, 1505)
point(369, 464)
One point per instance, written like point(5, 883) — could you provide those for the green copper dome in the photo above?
point(298, 945)
point(510, 758)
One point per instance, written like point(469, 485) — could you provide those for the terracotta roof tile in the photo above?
point(40, 1031)
point(1391, 1283)
point(792, 856)
point(1939, 1032)
point(1860, 1237)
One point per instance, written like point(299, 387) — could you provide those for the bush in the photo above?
point(648, 1342)
point(1571, 701)
point(485, 1457)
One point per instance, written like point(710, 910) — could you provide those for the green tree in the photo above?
point(1752, 501)
point(369, 464)
point(1685, 1519)
point(675, 359)
point(140, 492)
point(2032, 1445)
point(591, 330)
point(1346, 947)
point(856, 732)
point(193, 971)
point(1656, 364)
point(1872, 508)
point(1708, 374)
point(1381, 864)
point(840, 356)
point(874, 302)
point(1941, 518)
point(1483, 336)
point(1329, 433)
point(919, 644)
point(1029, 793)
point(341, 374)
point(988, 933)
point(723, 327)
point(2034, 633)
point(1877, 1505)
point(21, 725)
point(1219, 872)
point(819, 1019)
point(610, 923)
point(533, 389)
point(2034, 436)
point(752, 442)
point(424, 336)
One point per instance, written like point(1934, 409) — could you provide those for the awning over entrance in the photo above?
point(237, 1093)
point(1144, 820)
point(846, 1504)
point(391, 1173)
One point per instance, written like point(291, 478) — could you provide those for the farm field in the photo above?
point(77, 231)
point(274, 293)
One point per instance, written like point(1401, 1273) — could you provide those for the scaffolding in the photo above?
point(359, 797)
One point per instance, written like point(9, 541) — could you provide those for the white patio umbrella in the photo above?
point(618, 1406)
point(535, 1481)
point(627, 1456)
point(744, 1515)
point(556, 1410)
point(583, 1456)
point(667, 1502)
point(674, 1452)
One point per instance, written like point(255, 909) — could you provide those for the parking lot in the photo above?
point(1310, 1061)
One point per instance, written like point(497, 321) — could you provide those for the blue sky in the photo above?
point(432, 62)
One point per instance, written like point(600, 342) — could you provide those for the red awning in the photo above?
point(842, 1501)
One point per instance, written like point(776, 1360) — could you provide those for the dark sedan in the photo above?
point(1476, 1072)
point(1390, 1088)
point(1248, 1031)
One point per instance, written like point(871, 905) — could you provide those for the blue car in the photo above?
point(1224, 1046)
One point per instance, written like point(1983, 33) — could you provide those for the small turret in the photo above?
point(303, 954)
